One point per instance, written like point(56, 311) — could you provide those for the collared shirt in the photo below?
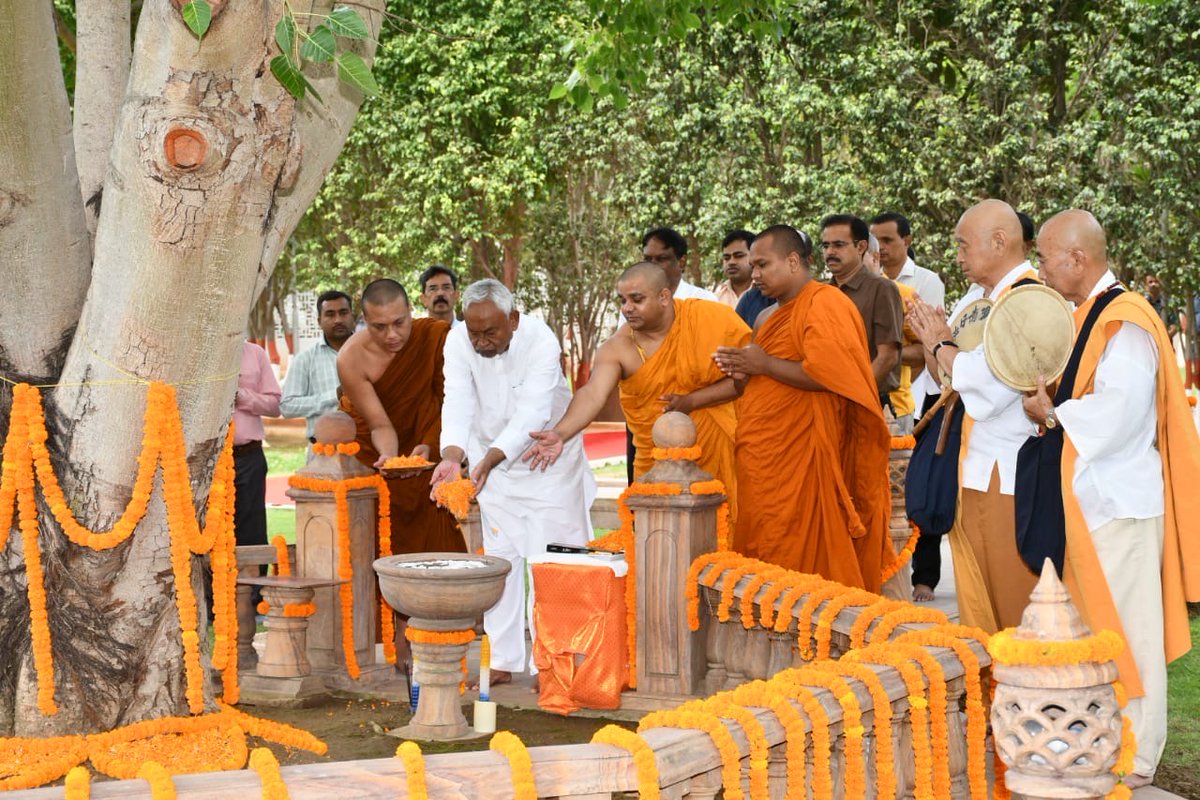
point(728, 295)
point(1165, 310)
point(927, 283)
point(310, 387)
point(1118, 474)
point(257, 395)
point(878, 302)
point(688, 291)
point(1000, 425)
point(752, 304)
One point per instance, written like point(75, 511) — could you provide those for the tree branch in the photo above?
point(101, 72)
point(43, 237)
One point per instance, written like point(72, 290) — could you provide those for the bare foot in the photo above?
point(922, 593)
point(495, 678)
point(1136, 780)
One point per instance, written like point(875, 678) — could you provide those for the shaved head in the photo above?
point(383, 291)
point(1072, 254)
point(990, 242)
point(648, 271)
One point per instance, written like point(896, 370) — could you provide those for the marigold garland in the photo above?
point(283, 566)
point(723, 706)
point(1006, 648)
point(643, 757)
point(508, 745)
point(28, 763)
point(905, 614)
point(78, 785)
point(881, 704)
point(903, 442)
point(731, 581)
point(1124, 764)
point(455, 496)
point(414, 769)
point(421, 636)
point(690, 715)
point(219, 747)
point(692, 587)
point(676, 453)
point(824, 628)
point(161, 785)
point(341, 448)
point(769, 573)
point(766, 695)
point(300, 609)
point(905, 554)
point(724, 529)
point(263, 761)
point(852, 727)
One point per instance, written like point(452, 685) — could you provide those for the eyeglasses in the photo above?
point(838, 245)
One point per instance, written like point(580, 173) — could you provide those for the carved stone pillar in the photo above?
point(670, 532)
point(1057, 728)
point(899, 586)
point(716, 642)
point(319, 554)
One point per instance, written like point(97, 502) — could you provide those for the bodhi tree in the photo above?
point(136, 230)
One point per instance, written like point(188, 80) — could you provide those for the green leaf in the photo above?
point(558, 91)
point(354, 71)
point(691, 21)
point(288, 75)
point(318, 46)
point(285, 34)
point(345, 21)
point(197, 15)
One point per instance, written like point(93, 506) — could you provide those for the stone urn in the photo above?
point(441, 593)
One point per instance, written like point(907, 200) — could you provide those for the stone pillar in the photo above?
point(670, 532)
point(318, 555)
point(899, 586)
point(1057, 728)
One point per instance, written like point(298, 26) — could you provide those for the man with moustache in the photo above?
point(667, 248)
point(991, 580)
point(439, 293)
point(310, 388)
point(735, 260)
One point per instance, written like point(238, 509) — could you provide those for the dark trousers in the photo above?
point(250, 502)
point(927, 561)
point(630, 453)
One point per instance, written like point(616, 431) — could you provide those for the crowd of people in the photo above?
point(787, 379)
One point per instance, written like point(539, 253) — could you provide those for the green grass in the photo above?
point(285, 460)
point(281, 521)
point(1177, 771)
point(615, 470)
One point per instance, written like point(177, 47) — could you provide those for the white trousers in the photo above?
point(1130, 552)
point(505, 621)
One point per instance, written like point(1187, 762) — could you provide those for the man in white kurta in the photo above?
point(504, 379)
point(992, 582)
point(1114, 437)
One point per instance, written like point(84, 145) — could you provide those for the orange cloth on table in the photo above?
point(682, 364)
point(411, 390)
point(1179, 447)
point(579, 617)
point(812, 465)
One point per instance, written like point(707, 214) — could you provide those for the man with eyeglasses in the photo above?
point(439, 293)
point(843, 244)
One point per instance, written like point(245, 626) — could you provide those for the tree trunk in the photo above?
point(204, 184)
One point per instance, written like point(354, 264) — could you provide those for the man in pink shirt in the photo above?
point(257, 396)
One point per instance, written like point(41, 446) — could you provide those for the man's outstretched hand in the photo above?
point(546, 448)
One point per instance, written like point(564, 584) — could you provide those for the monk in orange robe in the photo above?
point(812, 445)
point(661, 359)
point(391, 375)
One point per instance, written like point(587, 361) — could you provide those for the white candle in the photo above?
point(485, 716)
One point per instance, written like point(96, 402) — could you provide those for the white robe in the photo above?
point(497, 402)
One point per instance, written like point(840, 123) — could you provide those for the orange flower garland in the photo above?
point(724, 534)
point(161, 786)
point(829, 614)
point(455, 496)
point(1006, 648)
point(765, 695)
point(217, 747)
point(263, 761)
point(676, 453)
point(904, 555)
point(282, 563)
point(852, 727)
point(421, 636)
point(885, 777)
point(341, 448)
point(826, 591)
point(512, 748)
point(768, 573)
point(692, 587)
point(731, 581)
point(28, 763)
point(905, 614)
point(689, 715)
point(903, 442)
point(725, 708)
point(78, 785)
point(644, 759)
point(414, 769)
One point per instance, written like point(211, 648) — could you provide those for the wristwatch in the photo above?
point(1051, 420)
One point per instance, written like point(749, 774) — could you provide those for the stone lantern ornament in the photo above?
point(1056, 717)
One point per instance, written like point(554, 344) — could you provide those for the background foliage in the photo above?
point(534, 142)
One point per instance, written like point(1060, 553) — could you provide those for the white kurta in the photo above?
point(497, 402)
point(1000, 425)
point(1118, 483)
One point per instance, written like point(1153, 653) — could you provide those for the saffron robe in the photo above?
point(682, 364)
point(411, 390)
point(812, 465)
point(1179, 447)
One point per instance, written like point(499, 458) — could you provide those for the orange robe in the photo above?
point(682, 364)
point(1179, 448)
point(411, 390)
point(812, 465)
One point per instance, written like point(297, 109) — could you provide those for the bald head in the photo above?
point(653, 275)
point(1072, 254)
point(990, 242)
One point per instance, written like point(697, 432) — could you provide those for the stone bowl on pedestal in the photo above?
point(441, 593)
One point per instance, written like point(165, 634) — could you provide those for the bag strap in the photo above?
point(1066, 384)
